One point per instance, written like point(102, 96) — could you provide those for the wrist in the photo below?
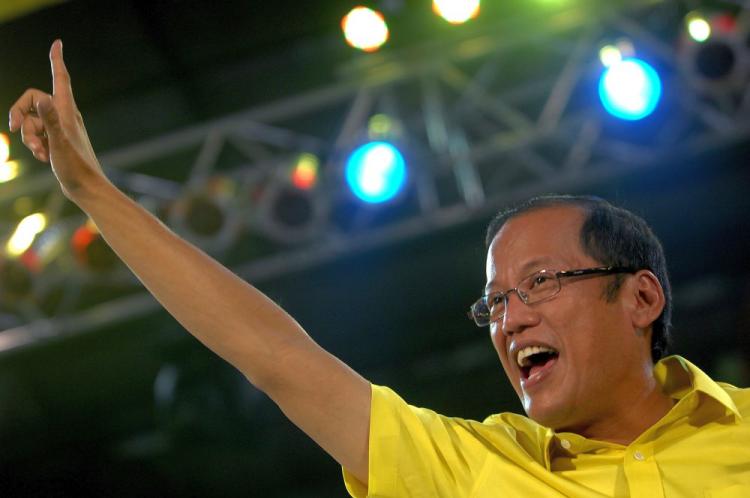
point(89, 194)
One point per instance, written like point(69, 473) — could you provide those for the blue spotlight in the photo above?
point(630, 89)
point(376, 172)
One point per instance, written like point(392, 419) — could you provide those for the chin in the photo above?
point(548, 415)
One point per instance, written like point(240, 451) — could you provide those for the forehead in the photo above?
point(542, 238)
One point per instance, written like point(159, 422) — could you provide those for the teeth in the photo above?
point(523, 355)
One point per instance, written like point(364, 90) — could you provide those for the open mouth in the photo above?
point(535, 359)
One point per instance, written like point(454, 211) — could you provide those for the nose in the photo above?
point(518, 316)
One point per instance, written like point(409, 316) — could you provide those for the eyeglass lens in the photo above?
point(532, 289)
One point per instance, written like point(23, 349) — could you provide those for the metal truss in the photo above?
point(484, 120)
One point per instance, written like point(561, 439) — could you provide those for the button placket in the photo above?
point(642, 472)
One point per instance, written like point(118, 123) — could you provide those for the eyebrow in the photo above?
point(527, 267)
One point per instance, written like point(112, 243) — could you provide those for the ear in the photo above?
point(648, 301)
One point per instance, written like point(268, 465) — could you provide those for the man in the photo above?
point(577, 302)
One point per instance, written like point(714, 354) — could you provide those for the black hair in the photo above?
point(614, 237)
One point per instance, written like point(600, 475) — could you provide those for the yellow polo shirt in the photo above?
point(700, 448)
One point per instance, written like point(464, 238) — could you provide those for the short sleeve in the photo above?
point(416, 452)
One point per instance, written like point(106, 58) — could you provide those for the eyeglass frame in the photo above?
point(598, 271)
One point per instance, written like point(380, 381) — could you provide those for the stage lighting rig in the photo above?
point(714, 54)
point(206, 215)
point(290, 207)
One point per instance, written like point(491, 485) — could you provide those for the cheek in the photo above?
point(500, 342)
point(592, 333)
point(574, 322)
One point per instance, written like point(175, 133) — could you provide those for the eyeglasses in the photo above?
point(532, 289)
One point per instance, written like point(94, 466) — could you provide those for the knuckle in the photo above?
point(31, 92)
point(53, 114)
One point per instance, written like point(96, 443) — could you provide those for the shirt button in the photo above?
point(565, 444)
point(639, 456)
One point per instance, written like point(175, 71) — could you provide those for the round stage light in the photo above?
point(90, 250)
point(630, 89)
point(288, 212)
point(376, 172)
point(715, 60)
point(25, 233)
point(204, 216)
point(456, 11)
point(290, 215)
point(365, 29)
point(609, 54)
point(4, 147)
point(698, 27)
point(305, 171)
point(9, 170)
point(380, 126)
point(615, 52)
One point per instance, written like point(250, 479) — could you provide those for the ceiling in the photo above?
point(87, 412)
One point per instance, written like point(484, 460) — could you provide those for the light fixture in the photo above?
point(25, 233)
point(365, 29)
point(697, 27)
point(456, 11)
point(630, 89)
point(90, 249)
point(376, 172)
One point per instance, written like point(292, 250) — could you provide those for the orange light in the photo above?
point(90, 249)
point(82, 237)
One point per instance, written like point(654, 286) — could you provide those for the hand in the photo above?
point(52, 128)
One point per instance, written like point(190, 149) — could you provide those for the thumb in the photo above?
point(47, 111)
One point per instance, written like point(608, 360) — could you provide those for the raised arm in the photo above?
point(320, 394)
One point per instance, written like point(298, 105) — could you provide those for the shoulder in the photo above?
point(502, 432)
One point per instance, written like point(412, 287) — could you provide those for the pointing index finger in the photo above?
point(60, 76)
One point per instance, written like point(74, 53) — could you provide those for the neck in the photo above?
point(633, 416)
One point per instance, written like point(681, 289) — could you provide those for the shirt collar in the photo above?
point(679, 378)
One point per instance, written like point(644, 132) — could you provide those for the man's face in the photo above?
point(598, 356)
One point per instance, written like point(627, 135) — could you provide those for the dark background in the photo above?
point(83, 415)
